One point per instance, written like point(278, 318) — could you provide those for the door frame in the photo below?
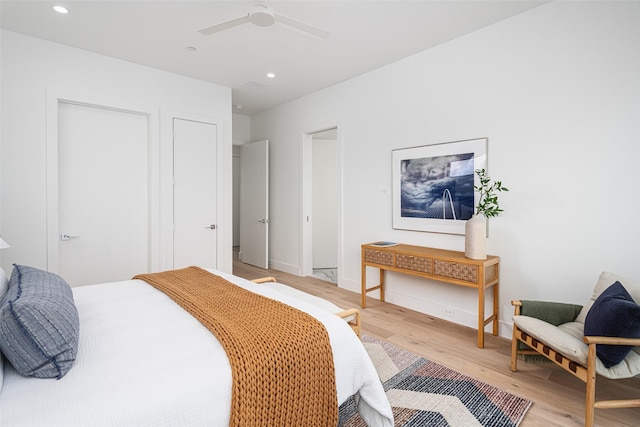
point(166, 181)
point(306, 196)
point(54, 97)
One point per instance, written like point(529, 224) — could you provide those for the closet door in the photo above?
point(194, 194)
point(103, 194)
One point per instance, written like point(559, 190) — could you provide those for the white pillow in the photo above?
point(605, 280)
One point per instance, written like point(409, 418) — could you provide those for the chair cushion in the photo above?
point(39, 323)
point(563, 339)
point(613, 314)
point(555, 337)
point(556, 313)
point(605, 280)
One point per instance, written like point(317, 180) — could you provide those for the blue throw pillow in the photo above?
point(613, 314)
point(39, 323)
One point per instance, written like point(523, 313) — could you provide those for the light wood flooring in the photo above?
point(558, 397)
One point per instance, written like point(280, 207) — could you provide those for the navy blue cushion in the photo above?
point(39, 323)
point(613, 314)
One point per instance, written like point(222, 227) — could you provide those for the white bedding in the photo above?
point(144, 361)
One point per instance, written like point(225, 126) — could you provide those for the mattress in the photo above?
point(144, 361)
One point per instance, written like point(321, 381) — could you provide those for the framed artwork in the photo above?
point(433, 185)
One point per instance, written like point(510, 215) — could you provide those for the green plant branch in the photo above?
point(488, 202)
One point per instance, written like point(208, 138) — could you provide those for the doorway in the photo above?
point(321, 204)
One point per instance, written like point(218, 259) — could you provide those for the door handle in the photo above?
point(65, 236)
point(264, 221)
point(212, 226)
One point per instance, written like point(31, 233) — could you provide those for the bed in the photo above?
point(143, 360)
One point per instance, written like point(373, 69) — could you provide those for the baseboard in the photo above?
point(284, 267)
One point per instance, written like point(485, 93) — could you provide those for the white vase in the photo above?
point(475, 237)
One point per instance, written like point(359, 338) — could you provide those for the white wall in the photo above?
point(31, 66)
point(557, 93)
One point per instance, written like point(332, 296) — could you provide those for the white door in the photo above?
point(254, 204)
point(103, 194)
point(194, 194)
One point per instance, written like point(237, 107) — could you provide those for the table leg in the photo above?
point(381, 284)
point(363, 280)
point(481, 316)
point(496, 308)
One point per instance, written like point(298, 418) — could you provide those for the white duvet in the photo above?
point(144, 361)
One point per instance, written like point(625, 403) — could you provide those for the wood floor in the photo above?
point(558, 397)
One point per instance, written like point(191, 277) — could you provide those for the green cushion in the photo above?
point(555, 313)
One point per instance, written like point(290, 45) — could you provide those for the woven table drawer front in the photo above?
point(414, 263)
point(465, 272)
point(378, 257)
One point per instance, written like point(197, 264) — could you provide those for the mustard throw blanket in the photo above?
point(281, 359)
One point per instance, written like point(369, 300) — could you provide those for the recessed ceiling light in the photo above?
point(271, 75)
point(61, 9)
point(238, 106)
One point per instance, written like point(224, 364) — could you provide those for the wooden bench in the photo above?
point(351, 315)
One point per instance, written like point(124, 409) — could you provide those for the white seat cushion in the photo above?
point(567, 340)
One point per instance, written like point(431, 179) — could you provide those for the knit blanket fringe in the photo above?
point(281, 358)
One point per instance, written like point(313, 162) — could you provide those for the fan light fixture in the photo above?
point(263, 16)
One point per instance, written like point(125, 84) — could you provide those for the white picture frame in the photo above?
point(433, 185)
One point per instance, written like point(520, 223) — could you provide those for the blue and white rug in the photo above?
point(424, 393)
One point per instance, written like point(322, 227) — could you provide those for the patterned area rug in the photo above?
point(423, 393)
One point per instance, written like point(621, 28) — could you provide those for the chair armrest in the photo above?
point(612, 341)
point(517, 306)
point(264, 280)
point(555, 313)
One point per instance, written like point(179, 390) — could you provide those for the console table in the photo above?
point(436, 264)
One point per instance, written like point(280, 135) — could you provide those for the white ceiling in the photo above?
point(364, 35)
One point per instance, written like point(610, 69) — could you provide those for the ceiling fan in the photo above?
point(263, 16)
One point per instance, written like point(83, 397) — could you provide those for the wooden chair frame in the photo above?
point(355, 323)
point(585, 373)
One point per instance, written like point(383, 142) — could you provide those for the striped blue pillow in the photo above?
point(39, 323)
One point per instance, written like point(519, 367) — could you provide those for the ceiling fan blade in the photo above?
point(302, 26)
point(224, 25)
